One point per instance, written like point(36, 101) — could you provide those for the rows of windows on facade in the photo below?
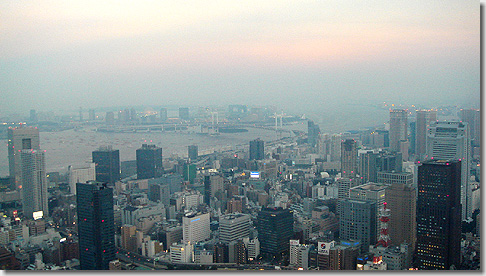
point(402, 196)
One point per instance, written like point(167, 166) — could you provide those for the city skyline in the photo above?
point(82, 54)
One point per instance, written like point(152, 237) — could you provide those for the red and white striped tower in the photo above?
point(384, 239)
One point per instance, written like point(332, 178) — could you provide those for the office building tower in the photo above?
point(183, 113)
point(424, 118)
point(357, 221)
point(233, 227)
point(189, 172)
point(213, 186)
point(96, 228)
point(33, 116)
point(349, 158)
point(368, 166)
point(439, 215)
point(149, 162)
point(34, 183)
point(20, 138)
point(372, 192)
point(473, 119)
point(192, 152)
point(389, 161)
point(159, 192)
point(398, 128)
point(163, 114)
point(257, 150)
point(107, 164)
point(401, 197)
point(299, 255)
point(92, 115)
point(195, 227)
point(313, 132)
point(128, 168)
point(80, 174)
point(413, 133)
point(449, 140)
point(275, 229)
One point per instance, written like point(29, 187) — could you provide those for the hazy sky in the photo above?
point(285, 53)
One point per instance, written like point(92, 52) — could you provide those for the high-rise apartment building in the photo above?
point(449, 140)
point(107, 163)
point(439, 215)
point(275, 229)
point(257, 150)
point(149, 162)
point(20, 138)
point(96, 228)
point(34, 182)
point(357, 221)
point(398, 128)
point(424, 118)
point(196, 227)
point(233, 227)
point(80, 174)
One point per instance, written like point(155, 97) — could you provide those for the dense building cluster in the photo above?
point(401, 196)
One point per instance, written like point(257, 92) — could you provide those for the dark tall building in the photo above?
point(96, 228)
point(149, 162)
point(388, 162)
point(107, 164)
point(367, 166)
point(257, 149)
point(439, 215)
point(184, 113)
point(312, 133)
point(192, 152)
point(357, 221)
point(275, 229)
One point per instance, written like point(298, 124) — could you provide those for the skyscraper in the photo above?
point(401, 199)
point(275, 229)
point(349, 158)
point(257, 150)
point(439, 215)
point(149, 162)
point(398, 128)
point(34, 182)
point(20, 138)
point(367, 166)
point(192, 152)
point(473, 119)
point(107, 162)
point(33, 116)
point(96, 228)
point(80, 174)
point(424, 118)
point(312, 133)
point(357, 221)
point(449, 140)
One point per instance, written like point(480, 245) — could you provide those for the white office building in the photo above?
point(195, 227)
point(80, 174)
